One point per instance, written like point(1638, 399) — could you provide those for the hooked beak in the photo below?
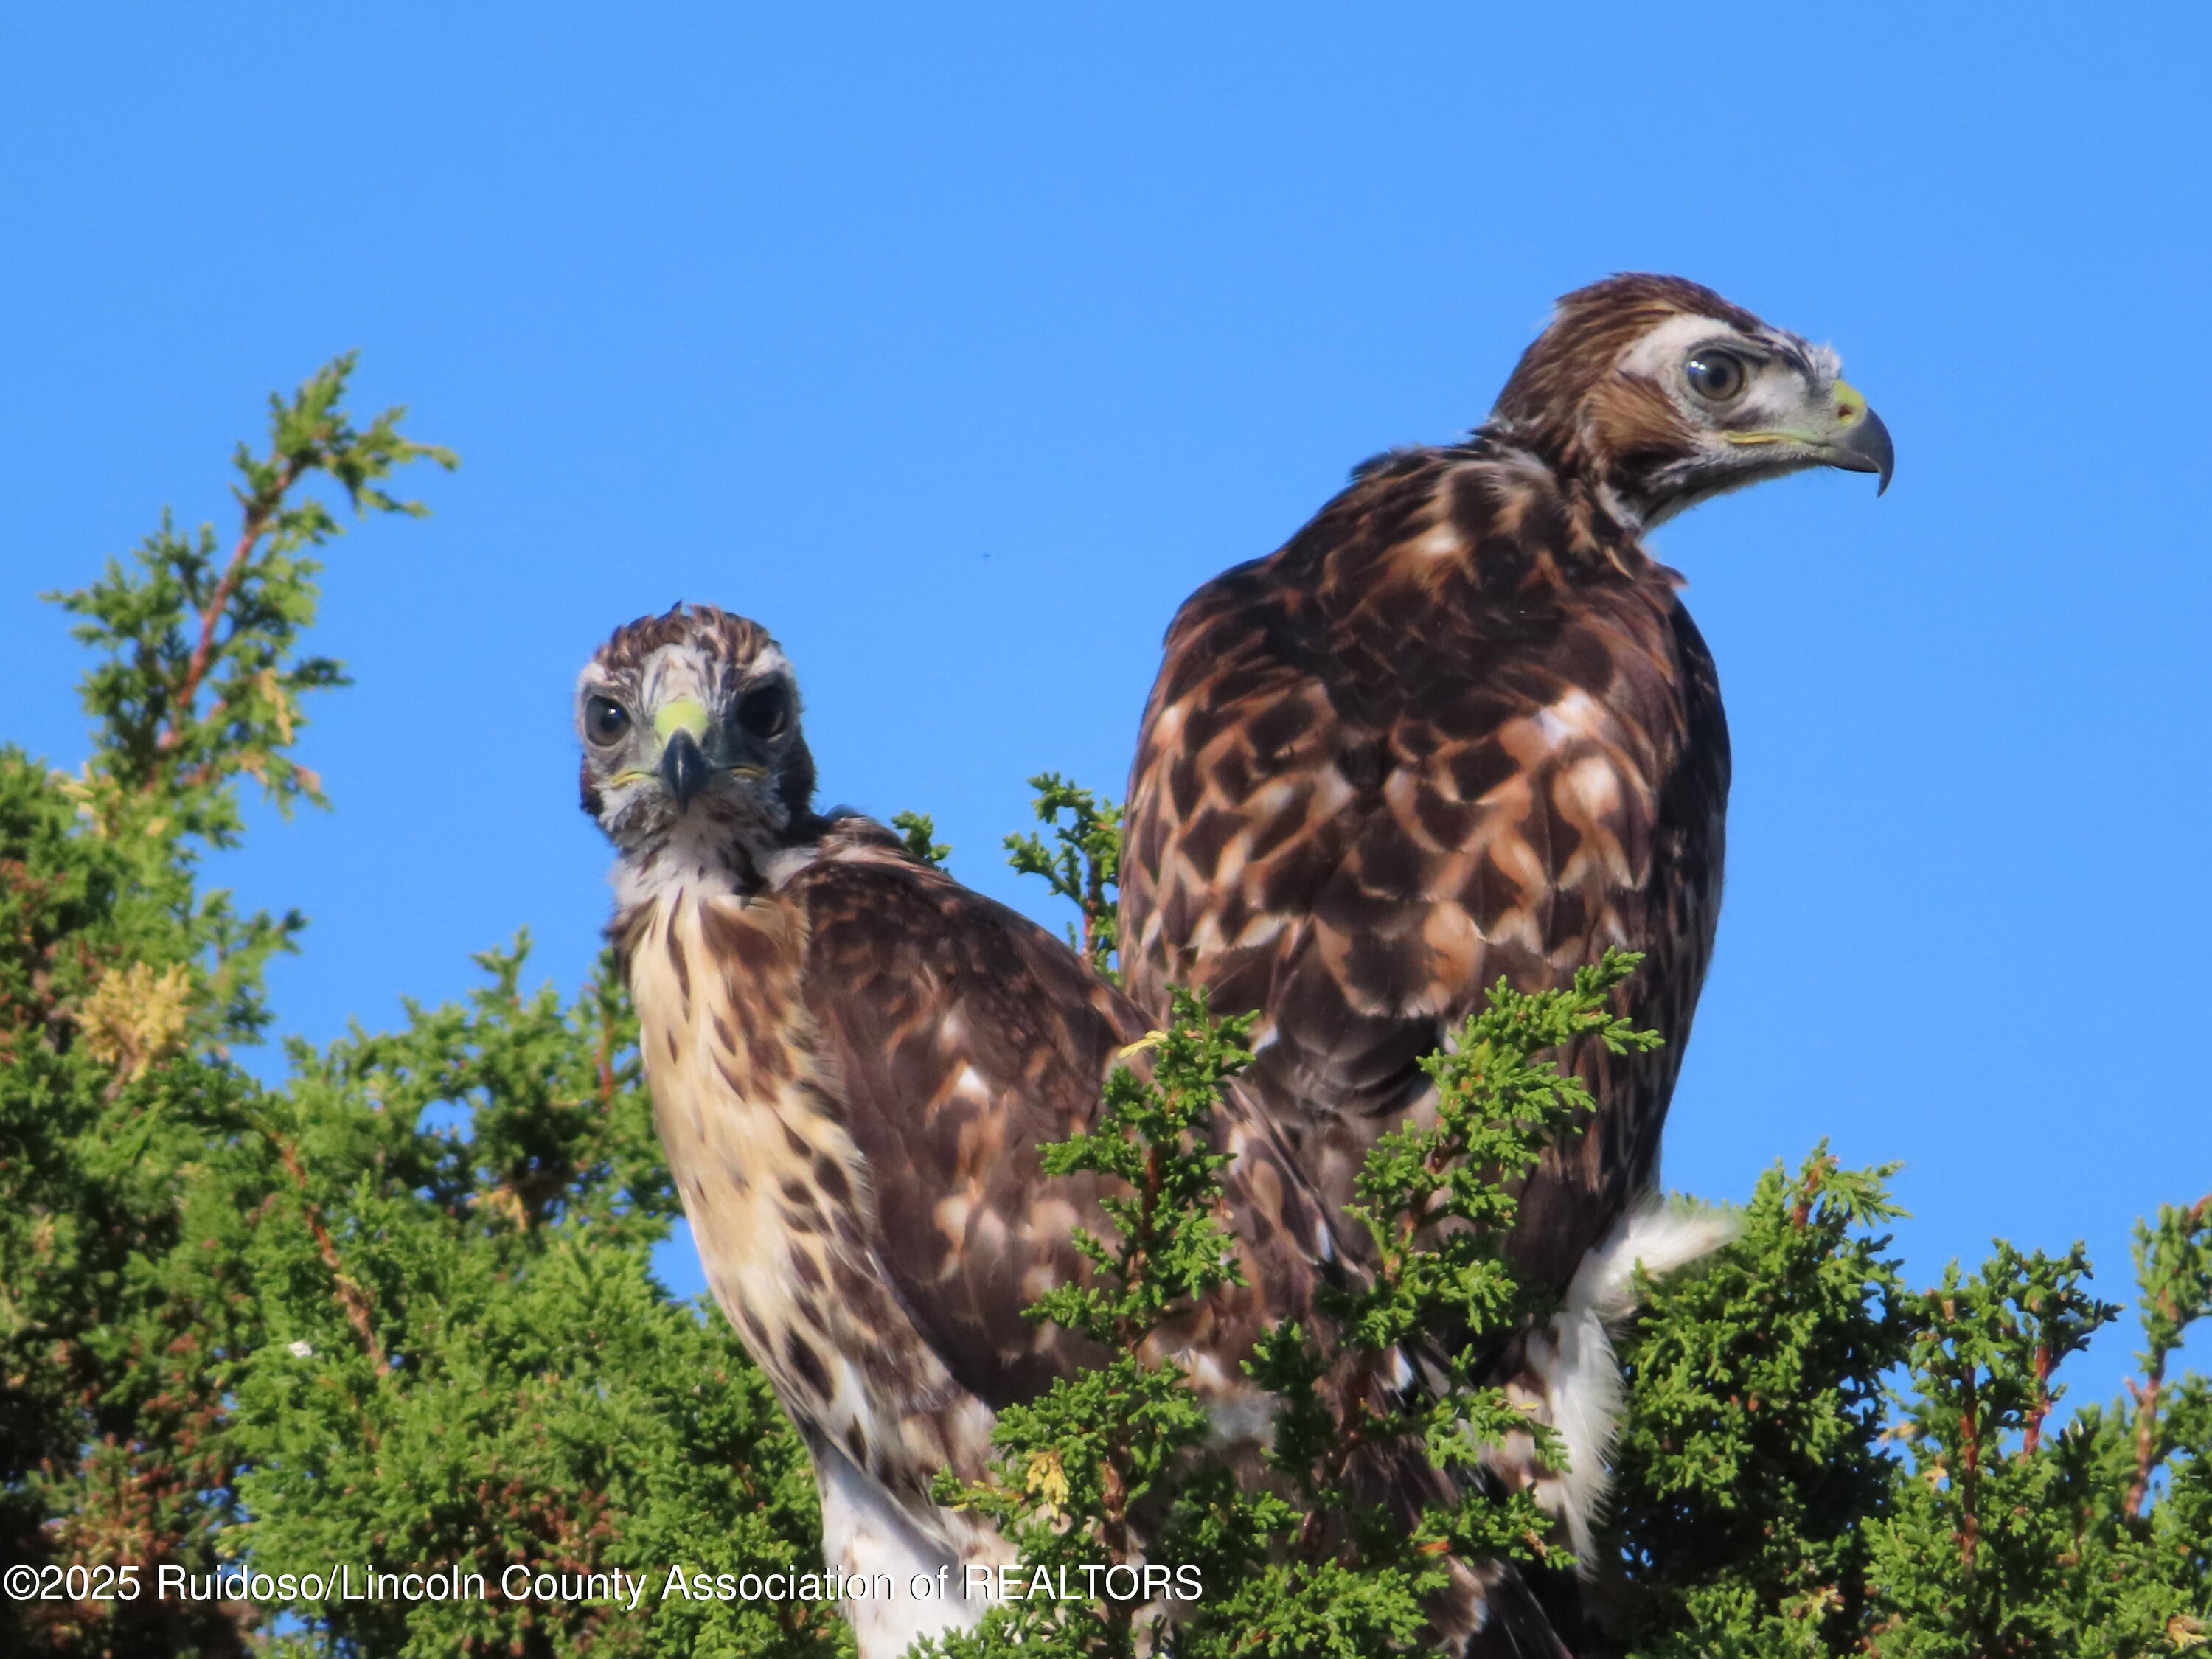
point(686, 731)
point(1860, 443)
point(683, 768)
point(680, 724)
point(1854, 440)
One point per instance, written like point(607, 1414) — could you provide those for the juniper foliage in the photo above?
point(398, 1313)
point(917, 832)
point(1752, 1450)
point(1082, 864)
point(1819, 1460)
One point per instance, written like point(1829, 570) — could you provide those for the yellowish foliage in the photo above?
point(1047, 1480)
point(135, 1016)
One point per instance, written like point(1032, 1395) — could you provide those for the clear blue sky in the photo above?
point(958, 344)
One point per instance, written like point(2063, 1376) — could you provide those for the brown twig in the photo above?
point(1816, 1172)
point(351, 1296)
point(259, 512)
point(2145, 1395)
point(2033, 1437)
point(606, 1057)
point(1970, 1469)
point(1094, 906)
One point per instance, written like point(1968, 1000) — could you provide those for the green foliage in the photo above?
point(1083, 865)
point(118, 1146)
point(326, 1325)
point(1499, 1104)
point(2043, 1546)
point(1984, 1350)
point(1760, 1512)
point(919, 831)
point(188, 620)
point(184, 621)
point(1753, 1448)
point(466, 1361)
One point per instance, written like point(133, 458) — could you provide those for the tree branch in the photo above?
point(259, 512)
point(354, 1299)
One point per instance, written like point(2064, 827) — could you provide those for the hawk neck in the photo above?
point(711, 853)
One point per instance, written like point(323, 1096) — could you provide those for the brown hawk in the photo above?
point(853, 1062)
point(1459, 727)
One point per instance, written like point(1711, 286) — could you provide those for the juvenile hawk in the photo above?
point(853, 1061)
point(1459, 727)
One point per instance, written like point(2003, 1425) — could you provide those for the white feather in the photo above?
point(1574, 1355)
point(866, 1532)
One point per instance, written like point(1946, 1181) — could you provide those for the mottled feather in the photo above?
point(1459, 728)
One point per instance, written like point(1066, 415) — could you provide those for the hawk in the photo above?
point(1460, 728)
point(853, 1061)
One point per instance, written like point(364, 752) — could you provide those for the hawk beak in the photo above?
point(680, 725)
point(1860, 443)
point(683, 768)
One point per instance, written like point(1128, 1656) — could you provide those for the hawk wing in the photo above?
point(964, 1037)
point(1453, 731)
point(852, 1073)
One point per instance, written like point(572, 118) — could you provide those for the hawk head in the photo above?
point(1665, 394)
point(689, 724)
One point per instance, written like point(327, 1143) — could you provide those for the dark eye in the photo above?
point(763, 711)
point(1718, 376)
point(604, 721)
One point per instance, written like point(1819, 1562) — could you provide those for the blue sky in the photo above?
point(958, 344)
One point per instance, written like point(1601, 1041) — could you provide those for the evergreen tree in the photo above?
point(290, 1330)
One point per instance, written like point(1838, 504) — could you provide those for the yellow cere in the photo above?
point(1850, 402)
point(680, 715)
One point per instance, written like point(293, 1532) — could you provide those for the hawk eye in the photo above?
point(1716, 376)
point(604, 721)
point(764, 710)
